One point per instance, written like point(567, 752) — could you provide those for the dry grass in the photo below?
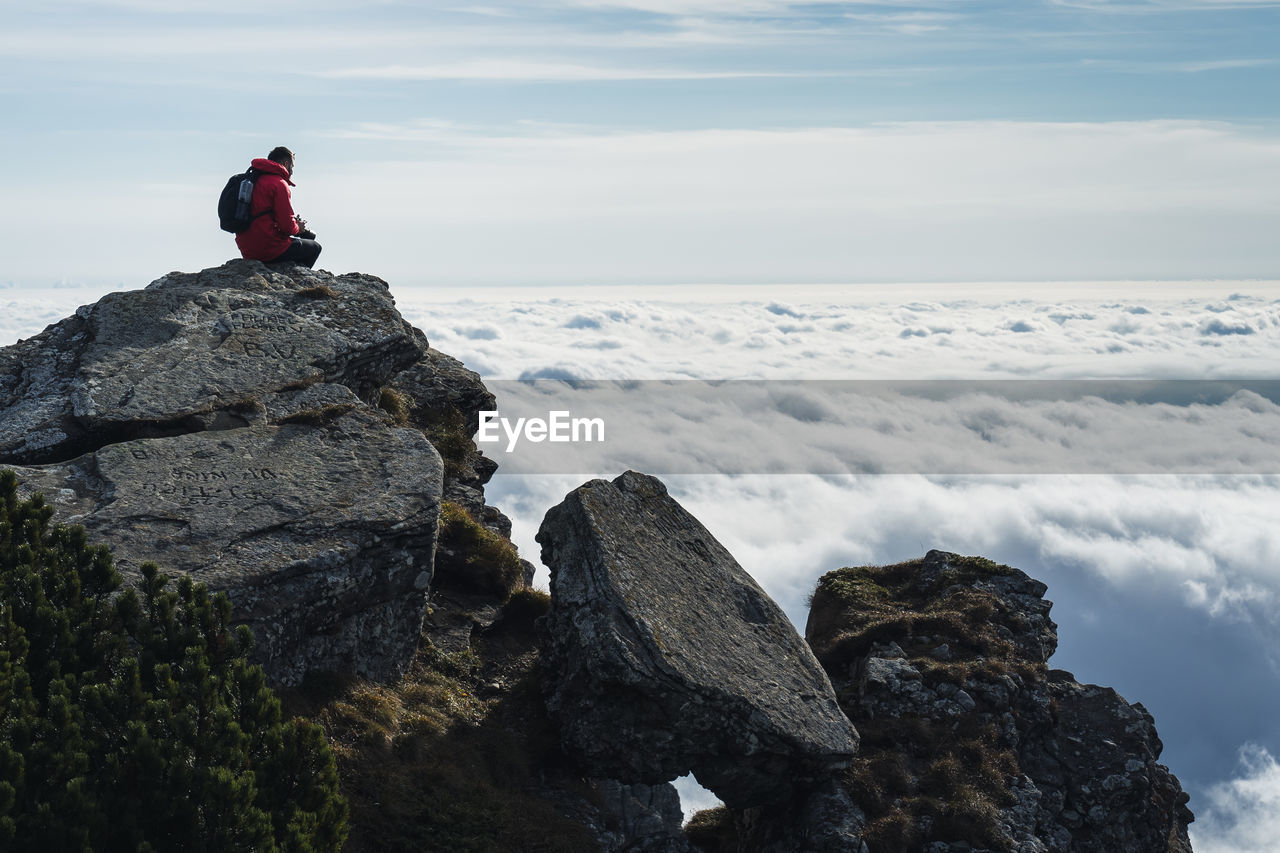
point(447, 431)
point(439, 764)
point(481, 560)
point(396, 404)
point(713, 831)
point(319, 416)
point(922, 778)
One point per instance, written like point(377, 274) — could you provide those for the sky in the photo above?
point(644, 141)
point(757, 189)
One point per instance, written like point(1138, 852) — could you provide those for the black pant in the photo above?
point(300, 251)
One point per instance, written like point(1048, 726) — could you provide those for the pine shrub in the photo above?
point(130, 719)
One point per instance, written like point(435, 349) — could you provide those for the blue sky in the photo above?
point(668, 141)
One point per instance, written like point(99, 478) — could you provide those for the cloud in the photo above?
point(1243, 814)
point(907, 23)
point(913, 201)
point(916, 201)
point(1153, 6)
point(736, 8)
point(480, 333)
point(540, 71)
point(826, 427)
point(1184, 67)
point(1217, 327)
point(1099, 330)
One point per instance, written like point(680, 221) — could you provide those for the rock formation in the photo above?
point(283, 435)
point(321, 535)
point(241, 424)
point(665, 657)
point(226, 347)
point(970, 741)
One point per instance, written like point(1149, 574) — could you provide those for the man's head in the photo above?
point(283, 156)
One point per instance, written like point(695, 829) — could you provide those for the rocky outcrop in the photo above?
point(285, 436)
point(322, 536)
point(444, 401)
point(270, 430)
point(970, 741)
point(664, 656)
point(222, 348)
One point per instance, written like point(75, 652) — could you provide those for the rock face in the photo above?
point(970, 741)
point(322, 536)
point(221, 348)
point(664, 656)
point(265, 430)
point(645, 818)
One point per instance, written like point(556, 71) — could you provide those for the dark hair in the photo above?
point(281, 155)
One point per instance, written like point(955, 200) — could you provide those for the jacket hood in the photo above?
point(271, 167)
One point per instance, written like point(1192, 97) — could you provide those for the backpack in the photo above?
point(233, 204)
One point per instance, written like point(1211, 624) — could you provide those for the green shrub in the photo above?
point(132, 720)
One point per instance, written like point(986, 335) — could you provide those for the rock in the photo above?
point(322, 536)
point(1101, 759)
point(645, 818)
point(984, 748)
point(446, 402)
point(254, 426)
point(825, 821)
point(197, 351)
point(664, 656)
point(441, 386)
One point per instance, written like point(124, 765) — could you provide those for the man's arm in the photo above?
point(282, 211)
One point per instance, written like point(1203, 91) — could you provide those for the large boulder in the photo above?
point(236, 424)
point(216, 349)
point(665, 657)
point(322, 535)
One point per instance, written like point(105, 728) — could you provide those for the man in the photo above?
point(277, 234)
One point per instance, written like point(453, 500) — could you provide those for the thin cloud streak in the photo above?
point(1189, 67)
point(1164, 6)
point(517, 70)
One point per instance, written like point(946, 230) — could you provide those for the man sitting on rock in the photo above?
point(277, 234)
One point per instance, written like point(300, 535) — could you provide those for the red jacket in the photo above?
point(268, 237)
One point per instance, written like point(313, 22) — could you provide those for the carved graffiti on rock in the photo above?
point(214, 488)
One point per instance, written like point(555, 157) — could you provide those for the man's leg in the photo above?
point(304, 252)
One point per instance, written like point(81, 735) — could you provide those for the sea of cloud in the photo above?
point(1166, 584)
